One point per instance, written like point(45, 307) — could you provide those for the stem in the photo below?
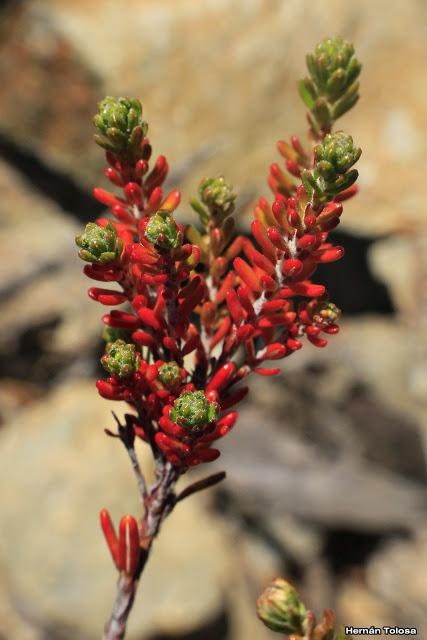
point(159, 503)
point(138, 473)
point(115, 628)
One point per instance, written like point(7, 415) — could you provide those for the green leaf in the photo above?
point(353, 70)
point(343, 105)
point(307, 96)
point(345, 181)
point(200, 210)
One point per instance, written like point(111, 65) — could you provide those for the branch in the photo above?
point(158, 501)
point(210, 481)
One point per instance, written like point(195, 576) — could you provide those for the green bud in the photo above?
point(333, 66)
point(99, 244)
point(217, 194)
point(120, 126)
point(170, 374)
point(120, 359)
point(193, 411)
point(333, 72)
point(332, 173)
point(280, 608)
point(327, 312)
point(336, 155)
point(337, 151)
point(163, 231)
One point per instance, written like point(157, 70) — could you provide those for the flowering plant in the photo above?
point(205, 307)
point(281, 609)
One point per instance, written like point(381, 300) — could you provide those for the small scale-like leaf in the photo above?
point(200, 210)
point(343, 105)
point(307, 96)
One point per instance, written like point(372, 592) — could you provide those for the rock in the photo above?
point(35, 236)
point(361, 607)
point(275, 471)
point(240, 96)
point(400, 262)
point(43, 291)
point(392, 590)
point(47, 94)
point(15, 395)
point(394, 574)
point(60, 470)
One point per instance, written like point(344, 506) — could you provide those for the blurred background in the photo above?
point(326, 469)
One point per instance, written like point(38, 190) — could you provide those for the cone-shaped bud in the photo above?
point(333, 66)
point(333, 71)
point(163, 231)
point(99, 244)
point(327, 312)
point(193, 411)
point(280, 608)
point(216, 194)
point(170, 374)
point(336, 155)
point(120, 126)
point(121, 359)
point(332, 173)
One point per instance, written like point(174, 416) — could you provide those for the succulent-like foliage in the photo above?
point(332, 173)
point(281, 609)
point(336, 155)
point(121, 359)
point(163, 231)
point(217, 200)
point(193, 411)
point(206, 307)
point(170, 374)
point(120, 126)
point(331, 88)
point(327, 312)
point(99, 244)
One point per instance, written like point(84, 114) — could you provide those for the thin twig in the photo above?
point(210, 481)
point(142, 486)
point(160, 499)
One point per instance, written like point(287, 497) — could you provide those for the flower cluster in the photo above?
point(203, 307)
point(198, 296)
point(281, 609)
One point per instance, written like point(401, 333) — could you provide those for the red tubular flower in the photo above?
point(110, 536)
point(128, 545)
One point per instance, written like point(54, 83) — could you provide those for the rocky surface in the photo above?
point(237, 64)
point(326, 468)
point(61, 469)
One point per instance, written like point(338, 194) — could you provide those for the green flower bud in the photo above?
point(120, 126)
point(170, 374)
point(333, 70)
point(120, 359)
point(332, 174)
point(280, 608)
point(99, 244)
point(336, 154)
point(216, 194)
point(193, 411)
point(163, 231)
point(326, 312)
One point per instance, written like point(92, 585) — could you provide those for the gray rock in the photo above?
point(60, 470)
